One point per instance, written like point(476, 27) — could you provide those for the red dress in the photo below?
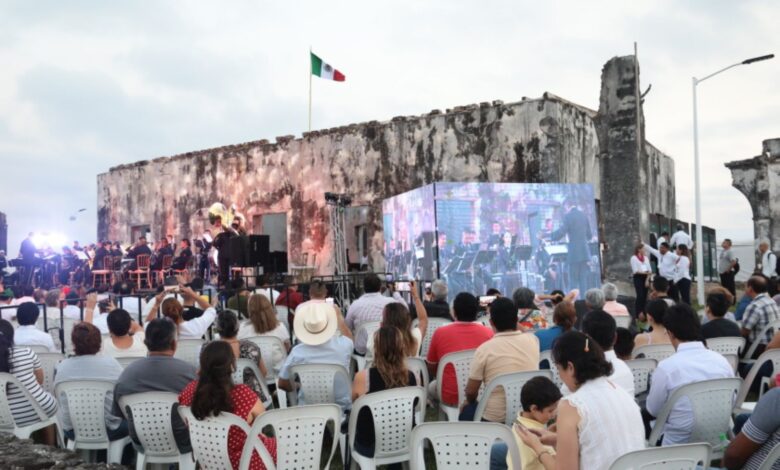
point(244, 400)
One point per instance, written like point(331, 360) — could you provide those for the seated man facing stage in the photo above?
point(184, 257)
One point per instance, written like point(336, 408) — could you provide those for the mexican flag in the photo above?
point(325, 70)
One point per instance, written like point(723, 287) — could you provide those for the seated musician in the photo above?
point(164, 250)
point(185, 255)
point(140, 248)
point(100, 254)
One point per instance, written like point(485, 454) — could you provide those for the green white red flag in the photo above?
point(324, 70)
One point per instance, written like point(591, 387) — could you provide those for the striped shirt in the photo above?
point(761, 312)
point(23, 364)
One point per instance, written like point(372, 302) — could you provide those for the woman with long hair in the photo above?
point(214, 392)
point(641, 271)
point(173, 309)
point(682, 273)
point(387, 371)
point(564, 316)
point(397, 315)
point(26, 367)
point(262, 321)
point(227, 327)
point(598, 422)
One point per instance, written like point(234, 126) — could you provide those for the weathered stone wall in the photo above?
point(758, 178)
point(541, 140)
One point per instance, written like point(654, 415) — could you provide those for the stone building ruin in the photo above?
point(547, 139)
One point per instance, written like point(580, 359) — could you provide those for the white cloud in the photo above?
point(87, 85)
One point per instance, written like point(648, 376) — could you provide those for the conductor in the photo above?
point(576, 228)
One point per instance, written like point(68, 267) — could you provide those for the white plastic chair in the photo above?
point(188, 350)
point(642, 369)
point(679, 457)
point(771, 459)
point(622, 321)
point(7, 422)
point(712, 402)
point(393, 412)
point(87, 415)
point(127, 360)
point(770, 328)
point(733, 361)
point(433, 324)
point(35, 348)
point(419, 368)
point(547, 356)
point(773, 356)
point(151, 413)
point(209, 439)
point(461, 361)
point(268, 345)
point(512, 383)
point(659, 352)
point(461, 446)
point(726, 344)
point(299, 433)
point(368, 329)
point(49, 361)
point(67, 329)
point(238, 378)
point(281, 315)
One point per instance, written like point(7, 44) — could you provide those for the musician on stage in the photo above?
point(576, 228)
point(238, 225)
point(185, 254)
point(221, 242)
point(140, 248)
point(100, 254)
point(165, 249)
point(496, 236)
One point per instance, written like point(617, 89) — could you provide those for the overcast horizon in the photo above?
point(89, 85)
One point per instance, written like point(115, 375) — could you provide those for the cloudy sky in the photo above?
point(87, 85)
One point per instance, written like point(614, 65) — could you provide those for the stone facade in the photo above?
point(547, 139)
point(758, 178)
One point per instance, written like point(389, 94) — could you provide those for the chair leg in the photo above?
point(114, 451)
point(187, 462)
point(140, 461)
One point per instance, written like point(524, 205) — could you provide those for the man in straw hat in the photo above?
point(315, 327)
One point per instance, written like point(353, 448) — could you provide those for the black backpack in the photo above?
point(736, 267)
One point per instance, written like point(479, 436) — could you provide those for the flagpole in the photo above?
point(310, 73)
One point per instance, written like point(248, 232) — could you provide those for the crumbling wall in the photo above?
point(758, 178)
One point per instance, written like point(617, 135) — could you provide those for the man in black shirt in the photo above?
point(140, 248)
point(438, 306)
point(718, 302)
point(185, 254)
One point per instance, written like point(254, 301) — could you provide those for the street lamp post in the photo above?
point(697, 187)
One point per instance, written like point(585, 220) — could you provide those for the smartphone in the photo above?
point(329, 300)
point(403, 286)
point(170, 288)
point(486, 300)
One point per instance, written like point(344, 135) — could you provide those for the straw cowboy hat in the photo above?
point(315, 323)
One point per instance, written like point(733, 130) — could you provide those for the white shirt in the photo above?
point(666, 262)
point(247, 330)
point(691, 363)
point(610, 423)
point(22, 300)
point(639, 267)
point(72, 311)
point(681, 238)
point(660, 240)
point(367, 308)
point(8, 314)
point(197, 327)
point(621, 374)
point(100, 320)
point(137, 349)
point(768, 264)
point(270, 294)
point(682, 268)
point(29, 335)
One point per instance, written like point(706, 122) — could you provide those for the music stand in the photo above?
point(522, 252)
point(484, 257)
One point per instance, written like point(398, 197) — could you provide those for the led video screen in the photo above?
point(500, 235)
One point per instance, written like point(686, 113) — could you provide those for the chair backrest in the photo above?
point(126, 361)
point(772, 356)
point(733, 360)
point(682, 457)
point(86, 410)
point(393, 414)
point(770, 328)
point(622, 321)
point(281, 315)
point(771, 459)
point(238, 378)
point(37, 349)
point(317, 381)
point(461, 361)
point(659, 352)
point(462, 445)
point(547, 356)
point(433, 323)
point(7, 422)
point(419, 368)
point(269, 345)
point(512, 384)
point(367, 329)
point(726, 344)
point(209, 439)
point(299, 433)
point(642, 370)
point(143, 262)
point(49, 361)
point(151, 415)
point(67, 329)
point(167, 261)
point(189, 350)
point(712, 403)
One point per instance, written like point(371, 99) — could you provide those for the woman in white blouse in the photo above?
point(682, 273)
point(640, 268)
point(597, 423)
point(263, 322)
point(172, 308)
